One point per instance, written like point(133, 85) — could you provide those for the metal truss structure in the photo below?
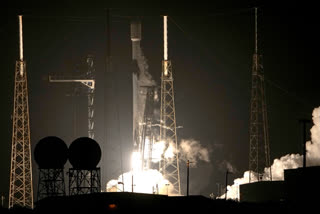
point(168, 130)
point(51, 183)
point(21, 188)
point(84, 181)
point(259, 153)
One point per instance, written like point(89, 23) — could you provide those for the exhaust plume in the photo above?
point(189, 149)
point(193, 151)
point(289, 161)
point(147, 181)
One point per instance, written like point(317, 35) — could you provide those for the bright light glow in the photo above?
point(136, 163)
point(147, 181)
point(165, 38)
point(146, 148)
point(20, 38)
point(165, 67)
point(144, 181)
point(157, 151)
point(170, 152)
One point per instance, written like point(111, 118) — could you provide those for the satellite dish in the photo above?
point(51, 153)
point(84, 153)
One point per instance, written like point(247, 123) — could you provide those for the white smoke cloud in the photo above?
point(151, 180)
point(290, 161)
point(193, 151)
point(146, 181)
point(227, 165)
point(313, 149)
point(157, 151)
point(189, 149)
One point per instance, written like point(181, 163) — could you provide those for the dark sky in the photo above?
point(211, 51)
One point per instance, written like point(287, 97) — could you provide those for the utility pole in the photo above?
point(227, 173)
point(21, 188)
point(2, 200)
point(219, 189)
point(304, 139)
point(167, 185)
point(132, 182)
point(188, 163)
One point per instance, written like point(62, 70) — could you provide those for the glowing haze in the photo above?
point(151, 180)
point(289, 161)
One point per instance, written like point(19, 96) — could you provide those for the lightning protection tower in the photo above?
point(259, 153)
point(21, 189)
point(168, 131)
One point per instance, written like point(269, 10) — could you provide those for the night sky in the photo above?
point(211, 51)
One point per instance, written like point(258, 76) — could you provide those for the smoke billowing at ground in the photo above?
point(151, 180)
point(289, 161)
point(144, 181)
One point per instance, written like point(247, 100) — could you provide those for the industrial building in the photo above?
point(299, 185)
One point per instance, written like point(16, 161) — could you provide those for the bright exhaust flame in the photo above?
point(289, 161)
point(136, 163)
point(157, 151)
point(151, 181)
point(148, 181)
point(139, 180)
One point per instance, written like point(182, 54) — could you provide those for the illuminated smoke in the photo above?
point(193, 151)
point(190, 150)
point(227, 165)
point(157, 151)
point(290, 161)
point(170, 151)
point(140, 180)
point(146, 181)
point(151, 180)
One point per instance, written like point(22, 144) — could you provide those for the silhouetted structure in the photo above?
point(304, 140)
point(263, 191)
point(125, 202)
point(259, 152)
point(51, 154)
point(302, 184)
point(84, 156)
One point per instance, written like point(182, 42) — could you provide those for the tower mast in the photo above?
point(168, 130)
point(259, 151)
point(21, 189)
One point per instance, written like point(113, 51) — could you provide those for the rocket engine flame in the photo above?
point(151, 180)
point(140, 180)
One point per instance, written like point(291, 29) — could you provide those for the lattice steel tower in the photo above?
point(21, 189)
point(259, 153)
point(168, 131)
